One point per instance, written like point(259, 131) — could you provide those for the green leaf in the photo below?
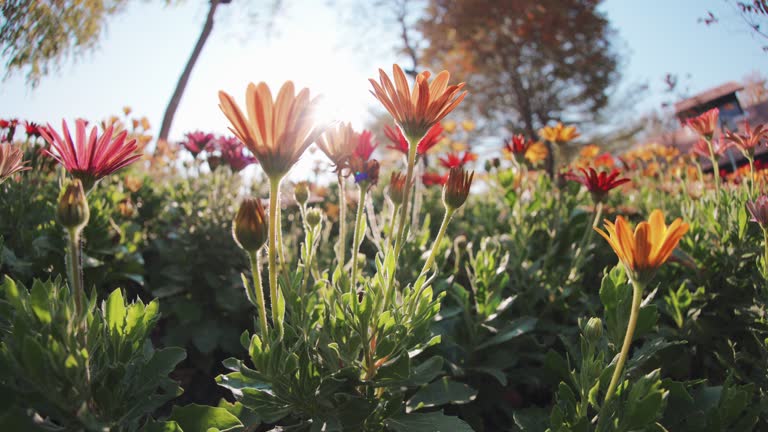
point(516, 328)
point(41, 303)
point(115, 311)
point(163, 362)
point(155, 426)
point(531, 419)
point(441, 392)
point(199, 418)
point(430, 422)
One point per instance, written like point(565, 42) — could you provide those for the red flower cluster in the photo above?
point(197, 141)
point(219, 150)
point(11, 125)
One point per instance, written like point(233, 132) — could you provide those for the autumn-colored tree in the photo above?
point(526, 62)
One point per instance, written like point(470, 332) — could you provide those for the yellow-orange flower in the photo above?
point(558, 133)
point(645, 250)
point(417, 110)
point(589, 151)
point(536, 153)
point(449, 126)
point(338, 143)
point(276, 131)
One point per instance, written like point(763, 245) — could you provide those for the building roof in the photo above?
point(707, 96)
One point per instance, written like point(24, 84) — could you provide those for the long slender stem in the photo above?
point(391, 228)
point(75, 269)
point(342, 221)
point(587, 236)
point(259, 291)
point(436, 245)
point(715, 168)
point(280, 245)
point(413, 144)
point(751, 176)
point(272, 254)
point(765, 241)
point(637, 296)
point(357, 238)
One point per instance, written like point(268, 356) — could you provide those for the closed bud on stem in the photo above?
point(249, 228)
point(301, 192)
point(593, 331)
point(72, 210)
point(366, 172)
point(314, 217)
point(397, 188)
point(456, 188)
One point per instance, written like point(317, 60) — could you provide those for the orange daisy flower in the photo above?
point(338, 143)
point(277, 131)
point(558, 133)
point(704, 124)
point(645, 250)
point(417, 110)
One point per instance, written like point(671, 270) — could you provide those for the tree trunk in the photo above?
point(173, 105)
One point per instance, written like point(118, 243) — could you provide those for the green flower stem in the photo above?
point(280, 248)
point(259, 290)
point(588, 233)
point(440, 234)
point(431, 260)
point(765, 241)
point(751, 159)
point(342, 221)
point(357, 239)
point(75, 269)
point(715, 168)
point(637, 297)
point(390, 233)
point(413, 144)
point(274, 196)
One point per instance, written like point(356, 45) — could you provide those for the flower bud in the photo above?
point(488, 165)
point(72, 211)
point(397, 188)
point(301, 192)
point(496, 162)
point(456, 188)
point(249, 228)
point(314, 216)
point(366, 172)
point(593, 330)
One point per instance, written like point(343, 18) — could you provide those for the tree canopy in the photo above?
point(526, 62)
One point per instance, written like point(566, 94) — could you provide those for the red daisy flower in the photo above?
point(517, 145)
point(399, 143)
point(704, 124)
point(433, 179)
point(455, 160)
point(598, 184)
point(32, 129)
point(197, 142)
point(90, 158)
point(366, 144)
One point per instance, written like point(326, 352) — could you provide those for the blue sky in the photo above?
point(146, 47)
